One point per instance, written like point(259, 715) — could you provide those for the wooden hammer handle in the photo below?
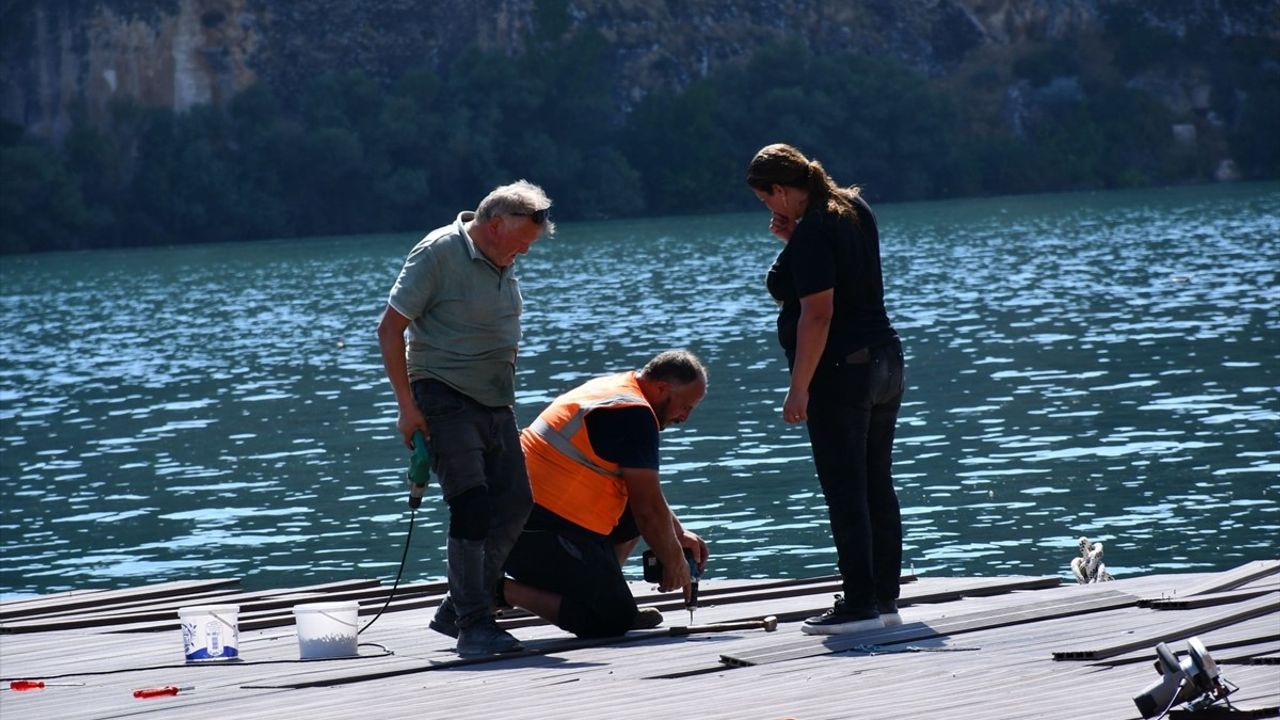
point(769, 624)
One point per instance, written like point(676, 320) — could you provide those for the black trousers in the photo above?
point(853, 411)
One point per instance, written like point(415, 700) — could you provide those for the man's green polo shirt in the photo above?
point(464, 315)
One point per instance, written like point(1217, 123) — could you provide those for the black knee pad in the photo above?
point(469, 514)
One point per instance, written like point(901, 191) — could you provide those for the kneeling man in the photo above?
point(592, 458)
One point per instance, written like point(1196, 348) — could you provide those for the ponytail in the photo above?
point(782, 164)
point(825, 193)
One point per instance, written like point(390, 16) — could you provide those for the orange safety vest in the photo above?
point(567, 476)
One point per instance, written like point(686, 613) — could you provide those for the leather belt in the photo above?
point(858, 357)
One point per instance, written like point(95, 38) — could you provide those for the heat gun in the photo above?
point(419, 469)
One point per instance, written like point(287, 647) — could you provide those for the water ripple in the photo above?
point(1099, 364)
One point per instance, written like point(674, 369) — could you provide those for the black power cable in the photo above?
point(413, 512)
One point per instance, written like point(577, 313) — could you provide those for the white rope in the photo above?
point(1088, 567)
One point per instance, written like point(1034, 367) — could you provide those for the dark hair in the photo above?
point(782, 164)
point(680, 367)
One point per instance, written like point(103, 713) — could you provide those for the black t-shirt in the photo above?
point(626, 435)
point(827, 251)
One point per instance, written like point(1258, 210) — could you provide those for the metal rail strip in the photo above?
point(913, 632)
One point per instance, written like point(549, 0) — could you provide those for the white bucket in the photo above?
point(210, 632)
point(327, 630)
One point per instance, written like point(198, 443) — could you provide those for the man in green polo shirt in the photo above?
point(455, 381)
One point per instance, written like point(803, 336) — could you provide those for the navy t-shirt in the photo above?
point(827, 251)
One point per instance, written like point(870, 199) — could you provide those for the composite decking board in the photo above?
point(534, 649)
point(1020, 642)
point(982, 694)
point(936, 630)
point(227, 596)
point(950, 589)
point(253, 606)
point(667, 602)
point(571, 707)
point(1215, 713)
point(606, 682)
point(24, 607)
point(632, 700)
point(1194, 625)
point(1237, 612)
point(1261, 629)
point(1233, 578)
point(160, 616)
point(554, 641)
point(1209, 599)
point(211, 597)
point(568, 644)
point(1271, 658)
point(1096, 601)
point(1043, 639)
point(763, 590)
point(280, 616)
point(1236, 654)
point(291, 647)
point(414, 598)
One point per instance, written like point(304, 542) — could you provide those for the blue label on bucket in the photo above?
point(227, 653)
point(209, 638)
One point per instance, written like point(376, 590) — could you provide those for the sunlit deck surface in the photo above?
point(995, 647)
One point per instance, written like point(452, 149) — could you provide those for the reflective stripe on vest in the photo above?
point(566, 475)
point(560, 439)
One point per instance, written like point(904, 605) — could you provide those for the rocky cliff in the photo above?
point(65, 56)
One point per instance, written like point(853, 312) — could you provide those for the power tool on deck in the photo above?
point(419, 473)
point(653, 573)
point(1193, 680)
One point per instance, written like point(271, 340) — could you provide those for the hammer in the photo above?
point(769, 624)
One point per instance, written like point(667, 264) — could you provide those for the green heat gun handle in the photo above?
point(419, 469)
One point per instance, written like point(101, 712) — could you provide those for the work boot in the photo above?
point(842, 618)
point(446, 620)
point(468, 594)
point(483, 637)
point(889, 613)
point(646, 617)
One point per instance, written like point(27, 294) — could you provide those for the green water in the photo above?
point(1096, 364)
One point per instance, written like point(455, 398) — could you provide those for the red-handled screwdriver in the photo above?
point(160, 691)
point(26, 685)
point(22, 685)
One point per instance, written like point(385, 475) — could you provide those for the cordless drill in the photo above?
point(653, 573)
point(693, 583)
point(419, 469)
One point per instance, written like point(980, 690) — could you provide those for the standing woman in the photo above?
point(846, 373)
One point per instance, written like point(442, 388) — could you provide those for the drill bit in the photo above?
point(693, 584)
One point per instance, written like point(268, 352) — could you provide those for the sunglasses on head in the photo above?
point(537, 216)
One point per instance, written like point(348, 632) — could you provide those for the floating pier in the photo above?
point(969, 647)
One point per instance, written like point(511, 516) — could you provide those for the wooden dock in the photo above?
point(997, 647)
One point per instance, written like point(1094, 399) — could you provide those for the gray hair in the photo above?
point(679, 367)
point(519, 198)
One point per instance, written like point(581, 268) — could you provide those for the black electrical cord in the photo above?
point(413, 512)
point(1174, 701)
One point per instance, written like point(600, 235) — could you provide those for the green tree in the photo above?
point(41, 207)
